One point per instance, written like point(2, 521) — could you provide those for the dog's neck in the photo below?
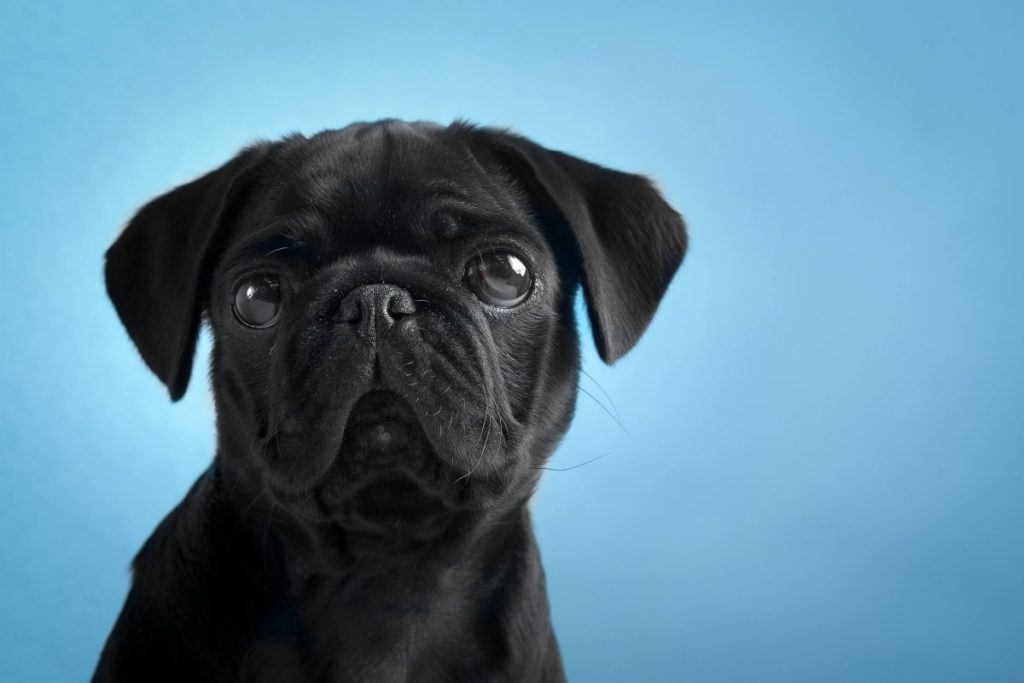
point(327, 593)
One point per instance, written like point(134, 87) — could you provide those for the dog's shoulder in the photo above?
point(178, 541)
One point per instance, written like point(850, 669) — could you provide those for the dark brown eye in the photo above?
point(258, 300)
point(499, 278)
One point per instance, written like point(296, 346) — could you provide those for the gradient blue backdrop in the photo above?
point(822, 475)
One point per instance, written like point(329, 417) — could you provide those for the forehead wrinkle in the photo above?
point(455, 222)
point(364, 182)
point(290, 230)
point(501, 190)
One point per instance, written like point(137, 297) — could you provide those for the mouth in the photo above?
point(386, 472)
point(381, 423)
point(383, 433)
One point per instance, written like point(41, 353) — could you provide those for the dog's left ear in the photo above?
point(630, 241)
point(158, 269)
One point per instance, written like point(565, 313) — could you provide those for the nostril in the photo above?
point(351, 311)
point(400, 305)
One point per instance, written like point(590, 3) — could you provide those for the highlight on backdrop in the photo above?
point(555, 341)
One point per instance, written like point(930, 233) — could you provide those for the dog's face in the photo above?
point(392, 310)
point(388, 320)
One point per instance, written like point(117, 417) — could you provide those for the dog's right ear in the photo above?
point(158, 269)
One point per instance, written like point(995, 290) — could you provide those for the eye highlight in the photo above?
point(499, 278)
point(258, 300)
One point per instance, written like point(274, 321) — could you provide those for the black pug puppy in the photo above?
point(395, 357)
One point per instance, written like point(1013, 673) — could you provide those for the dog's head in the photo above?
point(392, 308)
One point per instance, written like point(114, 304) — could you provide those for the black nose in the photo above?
point(374, 309)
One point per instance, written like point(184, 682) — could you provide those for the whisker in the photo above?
point(566, 469)
point(606, 395)
point(608, 412)
point(255, 499)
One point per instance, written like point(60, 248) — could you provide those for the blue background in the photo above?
point(820, 476)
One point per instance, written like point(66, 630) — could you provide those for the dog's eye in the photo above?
point(499, 278)
point(258, 300)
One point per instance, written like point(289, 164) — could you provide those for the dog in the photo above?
point(395, 356)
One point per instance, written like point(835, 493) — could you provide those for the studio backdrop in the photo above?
point(809, 469)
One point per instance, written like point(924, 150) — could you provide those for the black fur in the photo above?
point(364, 518)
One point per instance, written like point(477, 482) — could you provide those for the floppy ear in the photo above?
point(158, 269)
point(630, 240)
